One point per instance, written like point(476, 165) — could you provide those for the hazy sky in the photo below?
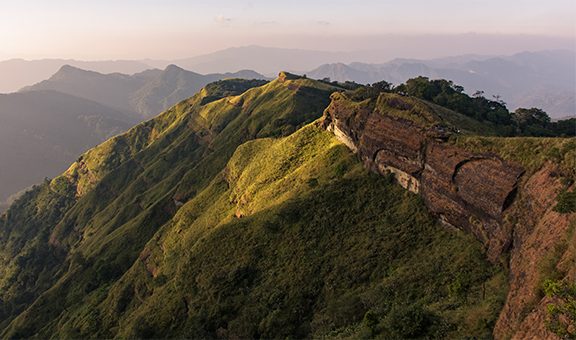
point(103, 29)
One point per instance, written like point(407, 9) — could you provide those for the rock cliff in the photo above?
point(466, 190)
point(543, 249)
point(472, 188)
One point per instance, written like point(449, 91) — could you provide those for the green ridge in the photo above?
point(233, 215)
point(109, 203)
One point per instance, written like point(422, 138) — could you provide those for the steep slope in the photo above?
point(542, 255)
point(184, 227)
point(42, 132)
point(114, 198)
point(234, 215)
point(143, 94)
point(293, 238)
point(407, 137)
point(516, 195)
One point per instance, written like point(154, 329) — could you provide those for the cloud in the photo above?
point(221, 19)
point(323, 23)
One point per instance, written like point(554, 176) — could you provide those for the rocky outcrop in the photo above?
point(541, 239)
point(473, 192)
point(466, 190)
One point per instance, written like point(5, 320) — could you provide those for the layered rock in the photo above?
point(466, 190)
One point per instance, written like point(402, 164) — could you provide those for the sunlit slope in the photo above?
point(114, 198)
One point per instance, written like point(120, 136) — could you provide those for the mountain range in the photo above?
point(18, 73)
point(143, 94)
point(303, 209)
point(45, 126)
point(542, 79)
point(530, 79)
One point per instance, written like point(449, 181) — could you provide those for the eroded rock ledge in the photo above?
point(465, 190)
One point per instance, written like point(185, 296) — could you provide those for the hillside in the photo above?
point(42, 132)
point(516, 195)
point(241, 213)
point(530, 79)
point(143, 94)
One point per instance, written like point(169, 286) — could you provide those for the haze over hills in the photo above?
point(41, 132)
point(46, 125)
point(266, 60)
point(541, 79)
point(530, 79)
point(17, 73)
point(143, 94)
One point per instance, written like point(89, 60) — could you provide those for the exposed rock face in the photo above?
point(539, 236)
point(470, 191)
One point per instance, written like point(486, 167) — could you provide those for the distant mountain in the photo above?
point(174, 84)
point(266, 60)
point(531, 79)
point(112, 90)
point(143, 94)
point(44, 126)
point(43, 131)
point(17, 73)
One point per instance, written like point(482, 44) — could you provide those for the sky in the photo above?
point(170, 29)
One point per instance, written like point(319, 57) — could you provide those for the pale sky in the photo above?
point(169, 29)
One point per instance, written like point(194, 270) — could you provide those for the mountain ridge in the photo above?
point(235, 214)
point(142, 94)
point(526, 79)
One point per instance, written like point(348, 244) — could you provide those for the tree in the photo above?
point(382, 86)
point(533, 122)
point(533, 116)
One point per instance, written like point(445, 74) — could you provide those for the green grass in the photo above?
point(321, 242)
point(421, 112)
point(530, 152)
point(561, 314)
point(113, 200)
point(282, 233)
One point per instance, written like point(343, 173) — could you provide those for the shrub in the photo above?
point(561, 315)
point(566, 202)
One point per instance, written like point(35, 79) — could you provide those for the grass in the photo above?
point(421, 112)
point(321, 242)
point(530, 152)
point(282, 234)
point(113, 200)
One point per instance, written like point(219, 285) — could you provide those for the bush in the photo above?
point(407, 322)
point(561, 316)
point(566, 202)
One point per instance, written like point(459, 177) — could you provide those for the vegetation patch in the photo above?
point(561, 318)
point(566, 202)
